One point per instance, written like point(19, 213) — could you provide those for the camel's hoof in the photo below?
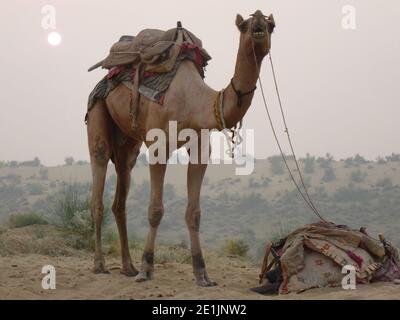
point(99, 267)
point(144, 276)
point(206, 283)
point(129, 271)
point(203, 280)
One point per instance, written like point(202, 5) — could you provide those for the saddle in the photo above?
point(150, 51)
point(154, 48)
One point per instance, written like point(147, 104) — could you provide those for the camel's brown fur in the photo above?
point(188, 101)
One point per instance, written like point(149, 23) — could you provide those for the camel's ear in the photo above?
point(271, 23)
point(241, 23)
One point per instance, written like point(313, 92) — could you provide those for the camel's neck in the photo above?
point(245, 80)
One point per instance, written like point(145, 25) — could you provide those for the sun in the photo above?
point(54, 39)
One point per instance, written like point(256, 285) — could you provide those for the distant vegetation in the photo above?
point(239, 213)
point(24, 220)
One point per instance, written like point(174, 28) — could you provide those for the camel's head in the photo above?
point(256, 31)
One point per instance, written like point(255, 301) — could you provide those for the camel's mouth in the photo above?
point(258, 33)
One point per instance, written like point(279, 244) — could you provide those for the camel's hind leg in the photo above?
point(99, 131)
point(125, 159)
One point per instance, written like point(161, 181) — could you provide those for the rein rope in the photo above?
point(232, 135)
point(306, 197)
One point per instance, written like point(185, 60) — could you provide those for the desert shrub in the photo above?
point(253, 183)
point(111, 242)
point(71, 199)
point(11, 192)
point(265, 182)
point(349, 162)
point(329, 174)
point(380, 160)
point(80, 230)
point(31, 163)
point(235, 247)
point(251, 202)
point(288, 197)
point(385, 183)
point(35, 189)
point(326, 162)
point(358, 176)
point(394, 157)
point(69, 161)
point(72, 209)
point(276, 165)
point(24, 220)
point(359, 159)
point(352, 194)
point(81, 163)
point(281, 231)
point(309, 164)
point(172, 254)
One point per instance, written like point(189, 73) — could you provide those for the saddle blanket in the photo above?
point(152, 85)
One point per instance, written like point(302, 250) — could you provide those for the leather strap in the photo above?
point(241, 94)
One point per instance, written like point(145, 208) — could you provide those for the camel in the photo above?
point(189, 101)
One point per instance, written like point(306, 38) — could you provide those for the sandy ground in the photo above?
point(26, 250)
point(20, 278)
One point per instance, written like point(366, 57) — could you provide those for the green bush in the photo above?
point(35, 189)
point(358, 176)
point(329, 175)
point(71, 199)
point(309, 164)
point(325, 163)
point(359, 159)
point(276, 165)
point(352, 194)
point(394, 157)
point(72, 207)
point(24, 220)
point(172, 254)
point(385, 183)
point(235, 247)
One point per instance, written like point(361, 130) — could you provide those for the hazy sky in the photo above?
point(340, 87)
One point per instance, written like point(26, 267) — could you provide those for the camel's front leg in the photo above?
point(194, 181)
point(99, 137)
point(156, 212)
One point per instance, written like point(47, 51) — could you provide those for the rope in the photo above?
point(306, 197)
point(236, 139)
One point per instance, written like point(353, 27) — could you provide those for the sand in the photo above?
point(26, 250)
point(20, 278)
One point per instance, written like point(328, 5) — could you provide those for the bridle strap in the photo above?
point(241, 94)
